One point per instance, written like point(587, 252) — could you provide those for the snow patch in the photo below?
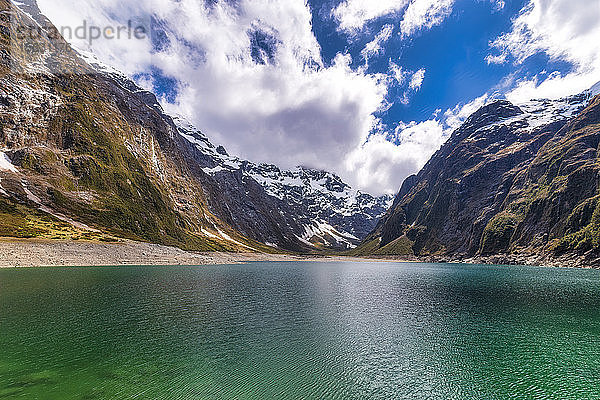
point(30, 196)
point(306, 242)
point(5, 164)
point(322, 229)
point(542, 112)
point(213, 171)
point(98, 65)
point(210, 235)
point(223, 236)
point(68, 220)
point(230, 239)
point(22, 6)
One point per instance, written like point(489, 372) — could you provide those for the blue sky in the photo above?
point(368, 89)
point(453, 55)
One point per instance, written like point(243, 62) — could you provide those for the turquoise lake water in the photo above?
point(300, 331)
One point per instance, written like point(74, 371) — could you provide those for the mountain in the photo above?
point(85, 156)
point(325, 211)
point(514, 181)
point(86, 153)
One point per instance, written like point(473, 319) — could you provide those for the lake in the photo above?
point(300, 331)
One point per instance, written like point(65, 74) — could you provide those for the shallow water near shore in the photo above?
point(300, 330)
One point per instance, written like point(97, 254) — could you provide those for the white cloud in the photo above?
point(417, 79)
point(374, 47)
point(353, 14)
point(398, 73)
point(551, 86)
point(276, 104)
point(454, 117)
point(262, 89)
point(411, 81)
point(408, 80)
point(424, 14)
point(127, 51)
point(566, 30)
point(384, 161)
point(496, 59)
point(382, 165)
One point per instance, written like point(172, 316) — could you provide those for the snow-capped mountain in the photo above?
point(82, 145)
point(512, 177)
point(332, 213)
point(537, 113)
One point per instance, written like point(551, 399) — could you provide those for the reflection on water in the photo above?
point(300, 330)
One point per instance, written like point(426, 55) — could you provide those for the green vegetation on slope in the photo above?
point(22, 222)
point(402, 246)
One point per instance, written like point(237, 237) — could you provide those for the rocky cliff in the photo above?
point(513, 179)
point(85, 155)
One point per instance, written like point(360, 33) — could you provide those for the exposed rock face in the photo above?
point(317, 207)
point(510, 179)
point(81, 142)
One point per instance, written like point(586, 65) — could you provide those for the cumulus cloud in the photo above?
point(385, 160)
point(392, 162)
point(551, 86)
point(565, 30)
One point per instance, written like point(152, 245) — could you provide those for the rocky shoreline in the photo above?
point(524, 259)
point(47, 253)
point(566, 261)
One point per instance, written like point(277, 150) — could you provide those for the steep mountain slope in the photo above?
point(318, 206)
point(512, 179)
point(86, 152)
point(78, 145)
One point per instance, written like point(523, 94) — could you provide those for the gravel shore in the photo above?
point(48, 253)
point(43, 253)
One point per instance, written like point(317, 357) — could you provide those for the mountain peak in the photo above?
point(512, 177)
point(330, 211)
point(493, 112)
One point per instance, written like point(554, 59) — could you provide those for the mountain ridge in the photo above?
point(334, 215)
point(480, 194)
